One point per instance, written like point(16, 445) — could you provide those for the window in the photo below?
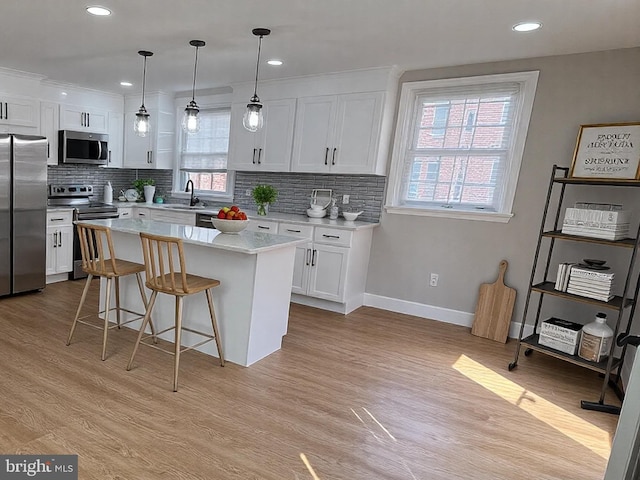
point(203, 155)
point(459, 145)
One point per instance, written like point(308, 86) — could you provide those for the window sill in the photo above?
point(447, 213)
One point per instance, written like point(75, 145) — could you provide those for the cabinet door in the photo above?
point(243, 144)
point(136, 149)
point(52, 248)
point(24, 112)
point(49, 126)
point(301, 269)
point(116, 144)
point(357, 130)
point(84, 119)
point(64, 251)
point(328, 272)
point(276, 143)
point(313, 131)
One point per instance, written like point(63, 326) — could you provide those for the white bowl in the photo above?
point(317, 207)
point(350, 216)
point(229, 226)
point(316, 213)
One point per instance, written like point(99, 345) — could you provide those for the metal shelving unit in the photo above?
point(623, 304)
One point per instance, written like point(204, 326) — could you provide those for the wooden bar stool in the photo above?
point(161, 255)
point(96, 263)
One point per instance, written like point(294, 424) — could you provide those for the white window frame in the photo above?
point(404, 129)
point(178, 189)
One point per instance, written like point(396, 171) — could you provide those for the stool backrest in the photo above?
point(164, 264)
point(95, 243)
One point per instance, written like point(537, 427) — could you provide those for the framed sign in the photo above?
point(607, 151)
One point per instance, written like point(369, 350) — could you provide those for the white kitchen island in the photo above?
point(255, 270)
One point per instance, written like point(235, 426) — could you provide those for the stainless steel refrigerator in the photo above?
point(23, 213)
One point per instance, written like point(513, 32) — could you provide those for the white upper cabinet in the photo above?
point(84, 119)
point(156, 150)
point(269, 149)
point(19, 114)
point(49, 126)
point(116, 140)
point(338, 134)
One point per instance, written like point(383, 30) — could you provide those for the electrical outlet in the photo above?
point(433, 280)
point(345, 199)
point(247, 192)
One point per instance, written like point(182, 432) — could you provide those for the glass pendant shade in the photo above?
point(190, 119)
point(141, 124)
point(253, 119)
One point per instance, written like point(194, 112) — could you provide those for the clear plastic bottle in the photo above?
point(333, 211)
point(595, 341)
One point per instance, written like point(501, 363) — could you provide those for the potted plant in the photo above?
point(145, 188)
point(264, 195)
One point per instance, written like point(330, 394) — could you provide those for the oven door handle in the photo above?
point(96, 216)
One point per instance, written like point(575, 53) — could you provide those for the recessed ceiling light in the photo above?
point(126, 84)
point(527, 26)
point(274, 62)
point(98, 10)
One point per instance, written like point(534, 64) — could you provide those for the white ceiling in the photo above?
point(58, 39)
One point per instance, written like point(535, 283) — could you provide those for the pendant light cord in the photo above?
point(255, 88)
point(195, 67)
point(144, 77)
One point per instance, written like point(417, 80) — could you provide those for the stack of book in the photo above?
point(597, 220)
point(590, 283)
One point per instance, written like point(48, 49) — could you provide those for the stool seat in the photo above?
point(99, 260)
point(165, 270)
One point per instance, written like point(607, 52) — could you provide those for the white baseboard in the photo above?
point(431, 312)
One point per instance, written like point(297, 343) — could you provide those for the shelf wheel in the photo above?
point(528, 352)
point(512, 365)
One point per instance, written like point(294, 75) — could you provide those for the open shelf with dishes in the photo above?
point(623, 306)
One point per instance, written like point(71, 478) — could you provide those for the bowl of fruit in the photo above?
point(230, 220)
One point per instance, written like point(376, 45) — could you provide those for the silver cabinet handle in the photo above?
point(259, 155)
point(253, 160)
point(308, 256)
point(150, 156)
point(263, 227)
point(141, 214)
point(57, 219)
point(6, 111)
point(48, 150)
point(55, 239)
point(82, 119)
point(326, 155)
point(291, 230)
point(1, 115)
point(109, 156)
point(88, 119)
point(313, 258)
point(330, 236)
point(59, 239)
point(333, 157)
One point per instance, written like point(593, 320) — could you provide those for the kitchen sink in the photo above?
point(179, 206)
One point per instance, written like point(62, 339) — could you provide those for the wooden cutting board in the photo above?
point(494, 308)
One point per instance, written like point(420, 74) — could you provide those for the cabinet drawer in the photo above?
point(125, 212)
point(294, 230)
point(268, 226)
point(332, 236)
point(59, 218)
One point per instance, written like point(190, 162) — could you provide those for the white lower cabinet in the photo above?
point(269, 226)
point(323, 267)
point(59, 244)
point(124, 212)
point(170, 216)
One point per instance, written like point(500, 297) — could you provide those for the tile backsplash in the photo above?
point(294, 189)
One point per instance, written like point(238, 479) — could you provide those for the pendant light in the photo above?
point(141, 125)
point(253, 119)
point(190, 120)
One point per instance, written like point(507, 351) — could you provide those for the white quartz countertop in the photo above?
point(244, 242)
point(272, 216)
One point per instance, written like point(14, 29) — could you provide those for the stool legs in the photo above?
point(178, 342)
point(117, 280)
point(107, 305)
point(143, 294)
point(214, 324)
point(82, 299)
point(147, 317)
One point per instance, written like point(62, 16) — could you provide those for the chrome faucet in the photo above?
point(193, 200)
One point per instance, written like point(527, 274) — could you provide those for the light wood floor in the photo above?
point(373, 395)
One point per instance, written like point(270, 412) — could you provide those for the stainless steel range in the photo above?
point(79, 197)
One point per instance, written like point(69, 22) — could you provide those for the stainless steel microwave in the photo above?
point(83, 147)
